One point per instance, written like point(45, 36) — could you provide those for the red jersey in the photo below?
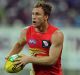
point(39, 44)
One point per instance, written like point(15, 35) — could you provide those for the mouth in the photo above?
point(34, 21)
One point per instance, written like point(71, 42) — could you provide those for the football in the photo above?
point(10, 67)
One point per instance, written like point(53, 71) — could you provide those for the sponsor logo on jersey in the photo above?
point(46, 43)
point(32, 41)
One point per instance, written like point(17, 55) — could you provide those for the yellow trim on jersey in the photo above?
point(34, 51)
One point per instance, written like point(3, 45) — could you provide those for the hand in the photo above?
point(6, 58)
point(22, 61)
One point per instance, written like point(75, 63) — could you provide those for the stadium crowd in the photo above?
point(66, 14)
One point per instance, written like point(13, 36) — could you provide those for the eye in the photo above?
point(38, 13)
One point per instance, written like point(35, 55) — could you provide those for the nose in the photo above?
point(33, 17)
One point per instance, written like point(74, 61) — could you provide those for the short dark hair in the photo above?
point(45, 6)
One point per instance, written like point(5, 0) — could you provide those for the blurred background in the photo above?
point(16, 15)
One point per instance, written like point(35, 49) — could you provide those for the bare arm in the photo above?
point(19, 44)
point(54, 52)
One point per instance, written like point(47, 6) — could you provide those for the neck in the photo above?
point(42, 28)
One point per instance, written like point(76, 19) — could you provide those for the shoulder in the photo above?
point(27, 28)
point(58, 33)
point(57, 37)
point(24, 31)
point(53, 28)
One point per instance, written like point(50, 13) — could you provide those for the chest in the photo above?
point(39, 40)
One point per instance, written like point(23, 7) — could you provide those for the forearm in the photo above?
point(15, 49)
point(41, 60)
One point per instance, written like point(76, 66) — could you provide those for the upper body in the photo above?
point(40, 25)
point(39, 46)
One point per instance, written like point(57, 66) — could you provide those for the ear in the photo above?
point(46, 17)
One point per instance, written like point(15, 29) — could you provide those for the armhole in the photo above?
point(26, 31)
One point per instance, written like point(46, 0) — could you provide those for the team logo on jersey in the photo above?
point(32, 41)
point(46, 43)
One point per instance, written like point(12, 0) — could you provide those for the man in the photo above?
point(45, 43)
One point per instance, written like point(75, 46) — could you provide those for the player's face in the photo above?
point(38, 17)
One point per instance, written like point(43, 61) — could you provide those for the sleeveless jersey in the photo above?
point(39, 44)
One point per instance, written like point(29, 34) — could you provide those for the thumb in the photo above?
point(6, 58)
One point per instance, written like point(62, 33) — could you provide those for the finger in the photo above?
point(6, 58)
point(17, 62)
point(19, 65)
point(18, 59)
point(22, 55)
